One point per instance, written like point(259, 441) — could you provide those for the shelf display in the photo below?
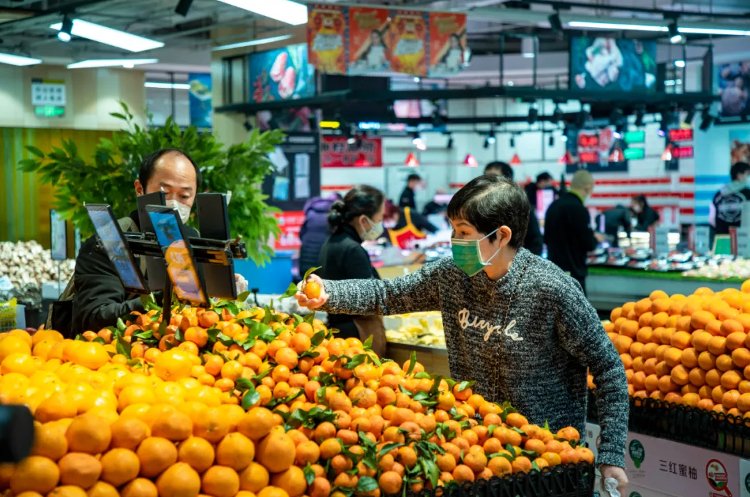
point(252, 401)
point(692, 350)
point(28, 263)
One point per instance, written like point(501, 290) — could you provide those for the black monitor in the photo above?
point(111, 237)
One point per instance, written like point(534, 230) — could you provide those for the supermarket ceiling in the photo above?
point(188, 39)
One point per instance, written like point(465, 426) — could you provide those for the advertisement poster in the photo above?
point(281, 74)
point(368, 35)
point(336, 152)
point(612, 64)
point(290, 224)
point(201, 110)
point(733, 83)
point(740, 146)
point(296, 176)
point(447, 43)
point(407, 42)
point(326, 34)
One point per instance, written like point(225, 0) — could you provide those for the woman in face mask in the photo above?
point(514, 322)
point(353, 220)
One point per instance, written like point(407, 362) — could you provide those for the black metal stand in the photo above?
point(166, 309)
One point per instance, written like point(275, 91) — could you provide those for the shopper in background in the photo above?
point(544, 181)
point(728, 202)
point(99, 297)
point(533, 241)
point(513, 322)
point(405, 225)
point(610, 221)
point(353, 220)
point(645, 215)
point(567, 228)
point(413, 182)
point(314, 231)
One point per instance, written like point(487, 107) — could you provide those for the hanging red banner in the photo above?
point(407, 42)
point(335, 151)
point(447, 43)
point(326, 38)
point(368, 29)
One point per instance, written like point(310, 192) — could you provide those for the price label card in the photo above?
point(58, 236)
point(701, 240)
point(743, 242)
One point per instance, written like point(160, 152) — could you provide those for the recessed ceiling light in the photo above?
point(126, 63)
point(251, 43)
point(282, 10)
point(18, 60)
point(166, 86)
point(109, 36)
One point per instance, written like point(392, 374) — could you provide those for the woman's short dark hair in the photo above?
point(739, 168)
point(362, 199)
point(641, 199)
point(491, 201)
point(149, 163)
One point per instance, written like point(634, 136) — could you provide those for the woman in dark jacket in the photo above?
point(353, 220)
point(644, 214)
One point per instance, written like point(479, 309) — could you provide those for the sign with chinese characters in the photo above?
point(335, 151)
point(681, 135)
point(593, 150)
point(47, 92)
point(659, 467)
point(326, 32)
point(290, 224)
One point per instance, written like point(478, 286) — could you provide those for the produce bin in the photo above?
point(273, 278)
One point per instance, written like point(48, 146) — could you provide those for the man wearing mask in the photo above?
point(99, 297)
point(413, 182)
point(728, 202)
point(567, 228)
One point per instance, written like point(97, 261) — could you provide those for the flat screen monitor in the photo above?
point(181, 267)
point(111, 237)
point(612, 64)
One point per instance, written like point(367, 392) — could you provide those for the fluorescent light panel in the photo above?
point(18, 60)
point(167, 86)
point(127, 63)
point(282, 10)
point(109, 36)
point(657, 28)
point(251, 43)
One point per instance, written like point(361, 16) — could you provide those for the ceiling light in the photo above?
point(18, 60)
point(554, 22)
point(282, 10)
point(183, 6)
point(667, 154)
point(411, 160)
point(688, 121)
point(679, 63)
point(166, 86)
point(515, 160)
point(557, 115)
point(449, 145)
point(551, 140)
point(714, 31)
point(674, 34)
point(615, 116)
point(64, 34)
point(470, 161)
point(512, 142)
point(251, 43)
point(109, 36)
point(528, 50)
point(330, 124)
point(533, 115)
point(486, 142)
point(491, 136)
point(616, 25)
point(706, 119)
point(126, 63)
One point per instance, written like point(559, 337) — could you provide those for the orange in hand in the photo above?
point(312, 290)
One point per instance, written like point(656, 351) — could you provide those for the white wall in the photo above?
point(91, 94)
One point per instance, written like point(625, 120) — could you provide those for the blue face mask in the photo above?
point(467, 255)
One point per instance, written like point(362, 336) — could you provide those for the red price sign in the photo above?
point(589, 157)
point(685, 152)
point(588, 141)
point(681, 135)
point(290, 224)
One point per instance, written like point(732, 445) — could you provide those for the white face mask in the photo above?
point(376, 229)
point(182, 209)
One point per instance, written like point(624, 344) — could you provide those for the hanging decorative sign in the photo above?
point(407, 42)
point(335, 151)
point(326, 33)
point(368, 30)
point(447, 43)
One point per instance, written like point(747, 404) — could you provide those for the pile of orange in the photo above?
point(692, 350)
point(250, 403)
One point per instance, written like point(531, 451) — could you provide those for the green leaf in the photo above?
point(366, 484)
point(122, 347)
point(464, 385)
point(529, 453)
point(412, 362)
point(424, 375)
point(368, 343)
point(491, 429)
point(318, 338)
point(309, 474)
point(291, 291)
point(250, 398)
point(309, 272)
point(120, 324)
point(389, 447)
point(243, 296)
point(179, 335)
point(431, 470)
point(243, 384)
point(535, 466)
